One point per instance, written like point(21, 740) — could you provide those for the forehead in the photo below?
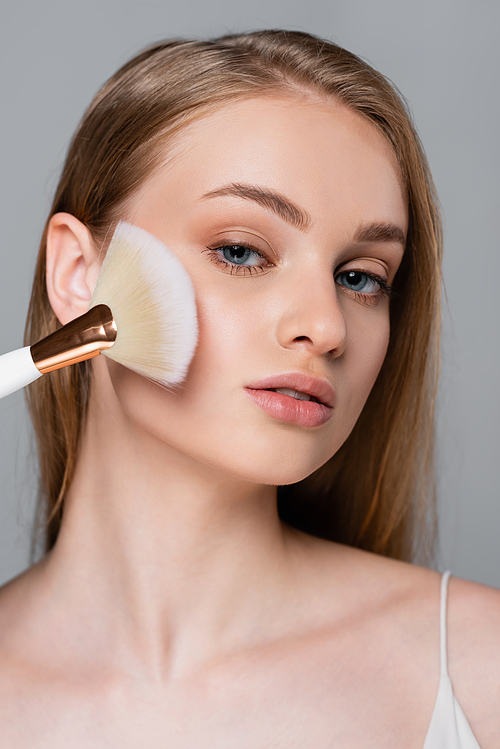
point(320, 154)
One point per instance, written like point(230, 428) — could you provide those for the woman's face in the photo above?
point(290, 218)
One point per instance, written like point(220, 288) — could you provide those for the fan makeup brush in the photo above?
point(142, 314)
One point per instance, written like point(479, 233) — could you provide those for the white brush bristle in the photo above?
point(152, 300)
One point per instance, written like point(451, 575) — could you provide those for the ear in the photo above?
point(72, 266)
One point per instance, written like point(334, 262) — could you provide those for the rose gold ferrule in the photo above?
point(80, 339)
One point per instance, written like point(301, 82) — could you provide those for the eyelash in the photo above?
point(235, 268)
point(368, 299)
point(250, 270)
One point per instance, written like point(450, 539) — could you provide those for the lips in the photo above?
point(304, 400)
point(316, 388)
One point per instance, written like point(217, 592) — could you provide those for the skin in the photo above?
point(175, 609)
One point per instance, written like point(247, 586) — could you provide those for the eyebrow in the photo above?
point(300, 219)
point(381, 232)
point(274, 202)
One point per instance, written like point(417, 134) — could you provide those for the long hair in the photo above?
point(377, 492)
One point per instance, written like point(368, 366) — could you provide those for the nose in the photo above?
point(312, 318)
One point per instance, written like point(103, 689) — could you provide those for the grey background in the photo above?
point(444, 56)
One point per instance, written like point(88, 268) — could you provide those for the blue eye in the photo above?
point(359, 281)
point(366, 288)
point(238, 259)
point(239, 255)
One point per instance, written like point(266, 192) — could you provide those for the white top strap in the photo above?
point(442, 623)
point(449, 728)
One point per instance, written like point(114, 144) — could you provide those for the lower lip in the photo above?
point(289, 409)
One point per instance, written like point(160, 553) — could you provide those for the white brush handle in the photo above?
point(17, 369)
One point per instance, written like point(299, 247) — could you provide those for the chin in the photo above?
point(274, 454)
point(268, 465)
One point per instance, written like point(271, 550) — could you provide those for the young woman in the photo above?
point(227, 564)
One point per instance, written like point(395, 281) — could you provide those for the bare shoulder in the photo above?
point(474, 655)
point(19, 630)
point(372, 577)
point(392, 601)
point(403, 600)
point(473, 617)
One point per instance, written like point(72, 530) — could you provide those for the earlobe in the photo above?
point(72, 266)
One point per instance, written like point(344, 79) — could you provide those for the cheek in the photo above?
point(367, 354)
point(371, 359)
point(205, 400)
point(235, 329)
point(358, 368)
point(221, 329)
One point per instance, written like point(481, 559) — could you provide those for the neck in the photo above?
point(168, 560)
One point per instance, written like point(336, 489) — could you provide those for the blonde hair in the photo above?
point(377, 492)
